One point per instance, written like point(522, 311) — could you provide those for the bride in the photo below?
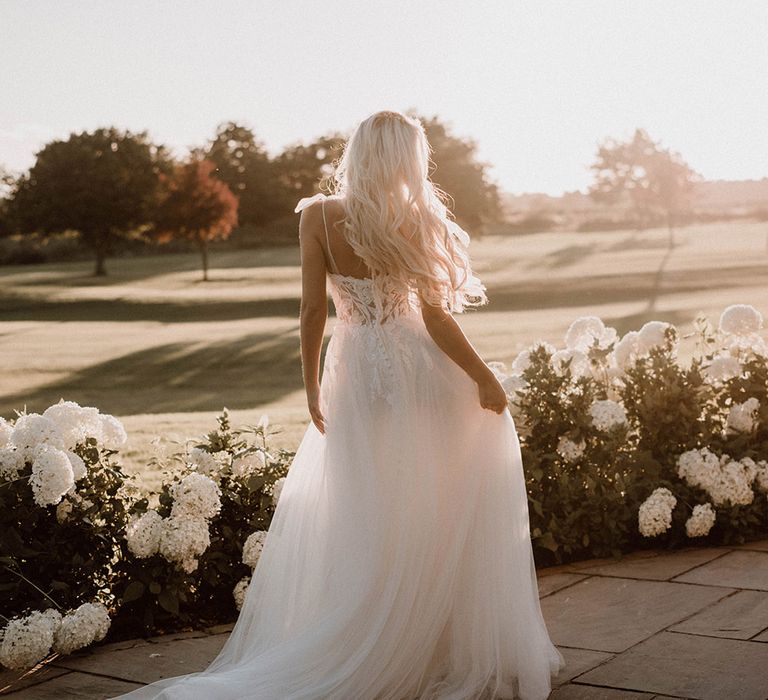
point(398, 565)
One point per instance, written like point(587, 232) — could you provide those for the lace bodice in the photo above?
point(357, 300)
point(360, 300)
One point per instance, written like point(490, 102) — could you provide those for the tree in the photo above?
point(195, 205)
point(458, 172)
point(243, 163)
point(7, 183)
point(101, 184)
point(655, 181)
point(300, 167)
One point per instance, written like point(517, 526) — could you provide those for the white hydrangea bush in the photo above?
point(187, 551)
point(603, 417)
point(64, 502)
point(29, 639)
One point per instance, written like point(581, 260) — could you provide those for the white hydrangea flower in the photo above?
point(761, 476)
point(12, 463)
point(113, 435)
point(727, 481)
point(82, 627)
point(79, 469)
point(741, 320)
point(196, 495)
point(569, 450)
point(277, 489)
point(143, 534)
point(183, 539)
point(751, 469)
point(585, 331)
point(580, 365)
point(240, 590)
point(76, 423)
point(735, 485)
point(253, 547)
point(701, 520)
point(742, 417)
point(204, 462)
point(52, 475)
point(722, 368)
point(499, 370)
point(6, 430)
point(521, 362)
point(607, 414)
point(512, 384)
point(32, 430)
point(652, 335)
point(249, 464)
point(626, 350)
point(655, 514)
point(28, 640)
point(523, 359)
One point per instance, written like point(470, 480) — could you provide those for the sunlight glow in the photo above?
point(537, 84)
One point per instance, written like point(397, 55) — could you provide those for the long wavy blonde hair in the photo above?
point(396, 218)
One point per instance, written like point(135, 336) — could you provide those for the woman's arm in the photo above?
point(314, 307)
point(449, 337)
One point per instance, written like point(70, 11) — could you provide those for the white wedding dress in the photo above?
point(398, 565)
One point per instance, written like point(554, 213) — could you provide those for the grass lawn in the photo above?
point(165, 352)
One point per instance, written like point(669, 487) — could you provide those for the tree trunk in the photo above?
point(671, 230)
point(100, 270)
point(204, 255)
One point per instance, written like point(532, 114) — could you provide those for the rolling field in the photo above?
point(165, 352)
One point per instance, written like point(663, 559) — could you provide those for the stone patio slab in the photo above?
point(73, 686)
point(737, 569)
point(573, 691)
point(759, 545)
point(151, 662)
point(16, 680)
point(657, 567)
point(612, 614)
point(555, 582)
point(577, 661)
point(740, 616)
point(688, 666)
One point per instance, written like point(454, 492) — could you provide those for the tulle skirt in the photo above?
point(398, 565)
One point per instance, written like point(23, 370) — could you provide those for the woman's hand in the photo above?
point(492, 394)
point(313, 403)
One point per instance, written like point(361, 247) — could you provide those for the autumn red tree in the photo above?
point(195, 205)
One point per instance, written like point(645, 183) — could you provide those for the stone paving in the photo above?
point(687, 624)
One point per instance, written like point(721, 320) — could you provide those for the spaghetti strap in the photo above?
point(334, 267)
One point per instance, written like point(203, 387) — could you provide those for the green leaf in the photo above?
point(548, 542)
point(155, 588)
point(133, 591)
point(169, 601)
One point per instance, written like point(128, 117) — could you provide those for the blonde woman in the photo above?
point(398, 565)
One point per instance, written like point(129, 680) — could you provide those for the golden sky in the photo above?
point(537, 84)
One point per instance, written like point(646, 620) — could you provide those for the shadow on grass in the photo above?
point(597, 290)
point(526, 295)
point(568, 255)
point(122, 270)
point(178, 377)
point(25, 309)
point(636, 241)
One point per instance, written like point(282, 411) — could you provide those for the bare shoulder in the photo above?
point(335, 211)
